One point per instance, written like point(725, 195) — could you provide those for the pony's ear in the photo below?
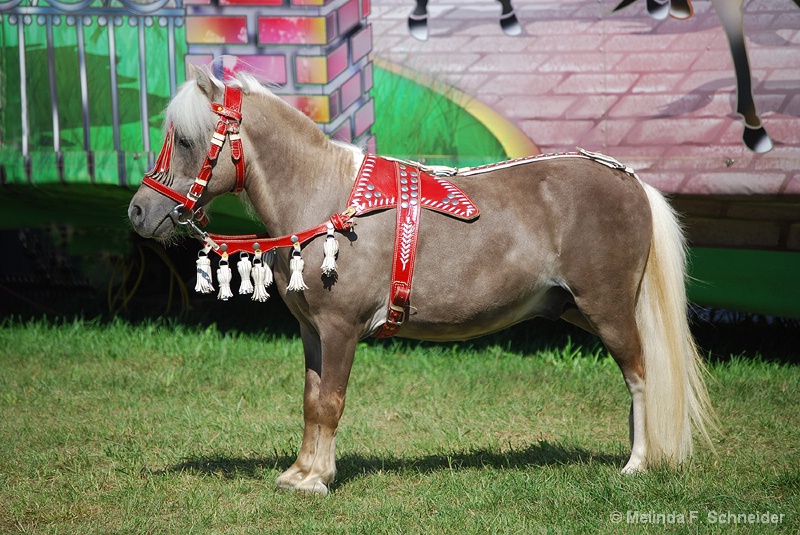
point(204, 81)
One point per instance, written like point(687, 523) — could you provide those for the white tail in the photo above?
point(676, 399)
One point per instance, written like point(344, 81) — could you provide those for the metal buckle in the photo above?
point(184, 217)
point(399, 310)
point(181, 215)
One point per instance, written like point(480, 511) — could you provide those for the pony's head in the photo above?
point(202, 137)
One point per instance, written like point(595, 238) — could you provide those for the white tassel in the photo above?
point(224, 277)
point(204, 284)
point(331, 249)
point(244, 266)
point(296, 264)
point(259, 277)
point(269, 261)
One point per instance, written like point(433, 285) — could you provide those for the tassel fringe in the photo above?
point(245, 267)
point(269, 261)
point(224, 277)
point(204, 284)
point(259, 278)
point(331, 249)
point(296, 265)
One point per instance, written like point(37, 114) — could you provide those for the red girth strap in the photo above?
point(406, 235)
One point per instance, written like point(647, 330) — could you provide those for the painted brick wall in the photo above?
point(313, 53)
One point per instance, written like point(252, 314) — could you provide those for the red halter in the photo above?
point(230, 117)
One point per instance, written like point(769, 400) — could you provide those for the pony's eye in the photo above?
point(185, 143)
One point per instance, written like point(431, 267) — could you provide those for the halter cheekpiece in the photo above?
point(230, 116)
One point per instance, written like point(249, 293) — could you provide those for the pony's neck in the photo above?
point(296, 177)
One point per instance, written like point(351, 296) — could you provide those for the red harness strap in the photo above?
point(406, 236)
point(230, 116)
point(384, 184)
point(249, 243)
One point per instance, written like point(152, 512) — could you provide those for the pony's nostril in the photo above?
point(136, 215)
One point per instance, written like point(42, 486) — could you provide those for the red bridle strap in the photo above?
point(230, 116)
point(250, 243)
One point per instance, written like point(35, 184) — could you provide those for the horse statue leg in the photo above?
point(329, 359)
point(418, 21)
point(729, 13)
point(508, 19)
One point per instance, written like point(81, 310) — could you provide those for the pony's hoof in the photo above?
point(289, 479)
point(757, 139)
point(315, 487)
point(510, 25)
point(418, 26)
point(658, 9)
point(633, 467)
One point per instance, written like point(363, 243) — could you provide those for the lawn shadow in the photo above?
point(540, 454)
point(352, 466)
point(227, 467)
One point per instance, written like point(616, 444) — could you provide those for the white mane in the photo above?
point(193, 119)
point(190, 111)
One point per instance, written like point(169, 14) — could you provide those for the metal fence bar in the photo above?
point(51, 74)
point(51, 71)
point(84, 82)
point(143, 94)
point(23, 96)
point(112, 70)
point(171, 51)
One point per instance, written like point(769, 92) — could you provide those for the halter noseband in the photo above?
point(230, 116)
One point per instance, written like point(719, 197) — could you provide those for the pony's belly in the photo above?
point(471, 320)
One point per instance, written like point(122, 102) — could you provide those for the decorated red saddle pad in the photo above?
point(384, 183)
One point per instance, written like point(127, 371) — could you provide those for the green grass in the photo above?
point(163, 428)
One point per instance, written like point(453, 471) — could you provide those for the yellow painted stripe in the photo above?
point(514, 142)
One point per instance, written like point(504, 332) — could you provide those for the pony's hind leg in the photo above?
point(620, 335)
point(328, 364)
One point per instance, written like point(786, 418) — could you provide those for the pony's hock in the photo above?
point(573, 236)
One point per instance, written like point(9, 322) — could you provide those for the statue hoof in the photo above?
point(757, 139)
point(418, 26)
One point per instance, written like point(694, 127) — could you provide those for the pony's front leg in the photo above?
point(328, 364)
point(305, 458)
